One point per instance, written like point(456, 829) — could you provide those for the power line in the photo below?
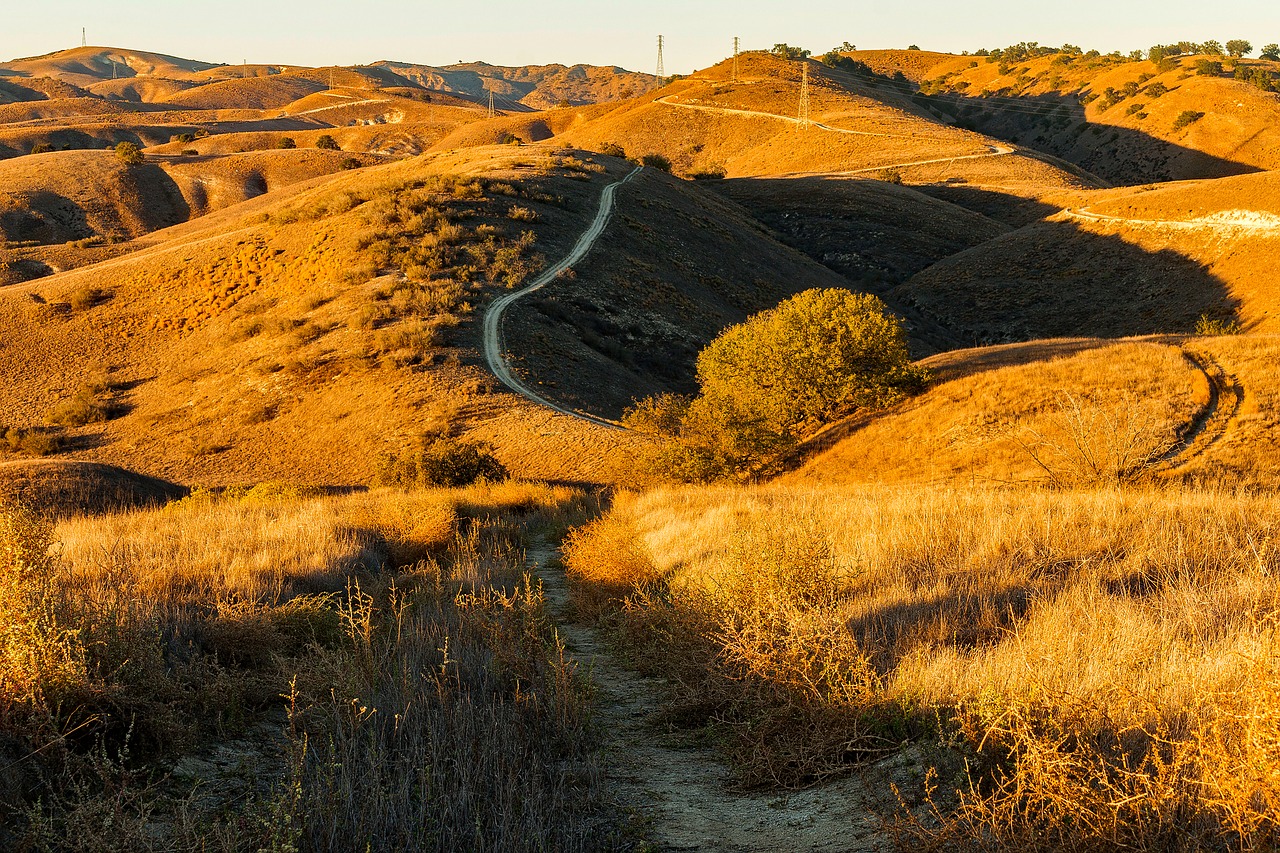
point(804, 94)
point(662, 71)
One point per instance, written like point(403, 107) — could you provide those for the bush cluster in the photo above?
point(441, 462)
point(766, 383)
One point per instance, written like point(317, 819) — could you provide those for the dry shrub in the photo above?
point(432, 707)
point(31, 442)
point(605, 562)
point(486, 746)
point(1084, 443)
point(40, 660)
point(86, 406)
point(1105, 661)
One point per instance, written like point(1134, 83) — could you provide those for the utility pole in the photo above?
point(662, 71)
point(736, 45)
point(804, 94)
point(84, 37)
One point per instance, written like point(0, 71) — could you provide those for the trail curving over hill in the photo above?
point(1230, 221)
point(494, 351)
point(667, 101)
point(993, 150)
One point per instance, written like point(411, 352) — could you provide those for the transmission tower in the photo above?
point(737, 42)
point(662, 71)
point(804, 94)
point(84, 37)
point(492, 111)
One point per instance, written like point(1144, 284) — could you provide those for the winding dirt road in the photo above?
point(993, 150)
point(494, 349)
point(1234, 221)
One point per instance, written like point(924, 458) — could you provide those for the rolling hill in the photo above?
point(1127, 121)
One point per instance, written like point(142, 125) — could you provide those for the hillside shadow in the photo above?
point(1012, 210)
point(959, 619)
point(1056, 124)
point(1055, 279)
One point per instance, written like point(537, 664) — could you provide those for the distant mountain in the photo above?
point(535, 86)
point(84, 66)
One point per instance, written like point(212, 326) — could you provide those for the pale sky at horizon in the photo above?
point(698, 32)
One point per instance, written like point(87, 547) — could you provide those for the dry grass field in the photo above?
point(1028, 603)
point(1095, 668)
point(229, 673)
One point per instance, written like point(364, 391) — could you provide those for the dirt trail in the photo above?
point(495, 351)
point(1231, 221)
point(993, 150)
point(680, 787)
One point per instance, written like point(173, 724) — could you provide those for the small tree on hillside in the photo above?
point(1212, 48)
point(129, 154)
point(768, 382)
point(786, 51)
point(1271, 52)
point(1239, 48)
point(327, 143)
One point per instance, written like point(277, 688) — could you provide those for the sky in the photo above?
point(524, 32)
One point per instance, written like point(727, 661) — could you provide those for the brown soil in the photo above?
point(681, 791)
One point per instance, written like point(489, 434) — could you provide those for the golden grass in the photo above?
point(144, 637)
point(1106, 659)
point(1092, 416)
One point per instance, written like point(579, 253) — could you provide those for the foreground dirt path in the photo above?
point(678, 786)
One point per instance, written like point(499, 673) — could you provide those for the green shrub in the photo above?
point(129, 154)
point(766, 383)
point(1157, 89)
point(327, 143)
point(710, 172)
point(350, 163)
point(1208, 68)
point(1213, 327)
point(41, 148)
point(287, 143)
point(443, 462)
point(1239, 47)
point(656, 161)
point(612, 149)
point(1187, 119)
point(786, 51)
point(31, 442)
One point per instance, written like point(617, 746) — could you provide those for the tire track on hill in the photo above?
point(1214, 419)
point(494, 347)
